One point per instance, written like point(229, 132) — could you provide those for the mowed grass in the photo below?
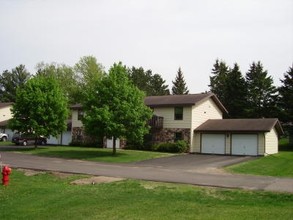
point(280, 164)
point(92, 154)
point(46, 196)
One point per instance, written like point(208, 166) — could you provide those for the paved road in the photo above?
point(148, 171)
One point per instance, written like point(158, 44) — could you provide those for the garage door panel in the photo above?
point(213, 143)
point(244, 144)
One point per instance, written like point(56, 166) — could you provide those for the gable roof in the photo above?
point(182, 100)
point(5, 104)
point(241, 125)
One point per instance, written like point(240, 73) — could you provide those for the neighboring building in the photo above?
point(5, 115)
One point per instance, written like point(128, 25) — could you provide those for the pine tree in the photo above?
point(179, 85)
point(152, 85)
point(262, 96)
point(218, 80)
point(286, 95)
point(236, 93)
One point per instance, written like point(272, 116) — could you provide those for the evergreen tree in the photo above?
point(158, 86)
point(262, 94)
point(235, 93)
point(179, 85)
point(152, 85)
point(286, 96)
point(10, 81)
point(218, 81)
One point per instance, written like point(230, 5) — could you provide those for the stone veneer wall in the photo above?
point(168, 135)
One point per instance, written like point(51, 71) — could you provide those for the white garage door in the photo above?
point(213, 143)
point(244, 144)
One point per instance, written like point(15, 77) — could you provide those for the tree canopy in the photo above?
point(66, 78)
point(218, 80)
point(262, 94)
point(179, 85)
point(10, 81)
point(115, 108)
point(286, 95)
point(152, 85)
point(235, 93)
point(40, 108)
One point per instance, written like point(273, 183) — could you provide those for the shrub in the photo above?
point(177, 147)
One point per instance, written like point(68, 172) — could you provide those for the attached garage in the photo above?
point(244, 144)
point(213, 143)
point(252, 137)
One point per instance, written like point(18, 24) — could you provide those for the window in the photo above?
point(178, 136)
point(178, 113)
point(80, 115)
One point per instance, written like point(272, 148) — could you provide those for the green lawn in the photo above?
point(5, 143)
point(280, 164)
point(93, 154)
point(46, 196)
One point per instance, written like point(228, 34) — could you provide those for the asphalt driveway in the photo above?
point(194, 162)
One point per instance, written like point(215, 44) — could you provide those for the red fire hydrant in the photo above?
point(5, 175)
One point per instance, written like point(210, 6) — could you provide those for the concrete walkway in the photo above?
point(153, 173)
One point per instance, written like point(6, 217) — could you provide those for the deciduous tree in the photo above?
point(115, 108)
point(40, 108)
point(66, 78)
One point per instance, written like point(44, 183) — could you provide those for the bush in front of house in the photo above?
point(176, 147)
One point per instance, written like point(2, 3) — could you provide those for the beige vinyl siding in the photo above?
point(195, 147)
point(75, 121)
point(204, 111)
point(168, 114)
point(271, 142)
point(5, 113)
point(261, 144)
point(200, 113)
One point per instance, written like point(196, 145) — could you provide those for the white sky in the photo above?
point(161, 35)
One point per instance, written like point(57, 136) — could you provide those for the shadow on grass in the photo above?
point(78, 154)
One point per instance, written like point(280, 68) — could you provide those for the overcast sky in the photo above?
point(161, 35)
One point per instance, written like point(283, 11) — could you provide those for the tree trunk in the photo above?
point(114, 145)
point(36, 142)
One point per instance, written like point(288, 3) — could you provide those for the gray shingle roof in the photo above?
point(240, 125)
point(5, 104)
point(181, 100)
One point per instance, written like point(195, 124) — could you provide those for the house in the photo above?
point(5, 115)
point(198, 119)
point(78, 134)
point(179, 115)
